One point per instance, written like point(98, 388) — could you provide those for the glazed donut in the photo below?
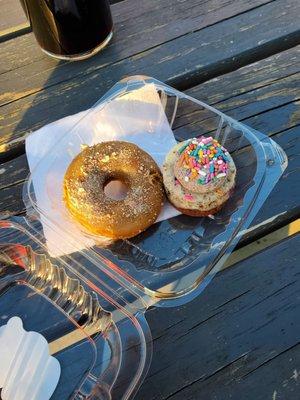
point(199, 176)
point(96, 166)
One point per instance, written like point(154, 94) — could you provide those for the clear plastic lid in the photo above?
point(174, 259)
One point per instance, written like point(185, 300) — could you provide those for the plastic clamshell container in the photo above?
point(100, 293)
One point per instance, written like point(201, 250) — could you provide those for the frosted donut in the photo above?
point(96, 166)
point(199, 175)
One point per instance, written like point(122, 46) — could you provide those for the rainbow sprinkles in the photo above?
point(204, 159)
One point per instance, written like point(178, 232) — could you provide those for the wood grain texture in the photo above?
point(265, 96)
point(35, 94)
point(139, 25)
point(239, 340)
point(12, 14)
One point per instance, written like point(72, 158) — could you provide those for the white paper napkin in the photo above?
point(136, 117)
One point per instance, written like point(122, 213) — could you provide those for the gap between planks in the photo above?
point(14, 31)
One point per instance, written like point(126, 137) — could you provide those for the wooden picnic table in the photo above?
point(241, 338)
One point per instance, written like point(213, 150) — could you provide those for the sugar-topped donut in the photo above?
point(96, 166)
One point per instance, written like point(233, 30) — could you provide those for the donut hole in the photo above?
point(116, 189)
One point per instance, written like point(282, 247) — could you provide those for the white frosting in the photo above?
point(182, 198)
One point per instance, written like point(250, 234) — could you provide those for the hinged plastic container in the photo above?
point(90, 303)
